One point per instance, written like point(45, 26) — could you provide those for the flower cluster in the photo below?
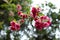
point(14, 26)
point(40, 22)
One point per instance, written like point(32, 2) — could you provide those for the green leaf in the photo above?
point(58, 17)
point(50, 4)
point(54, 15)
point(40, 14)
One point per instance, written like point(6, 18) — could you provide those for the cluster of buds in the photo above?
point(20, 12)
point(22, 15)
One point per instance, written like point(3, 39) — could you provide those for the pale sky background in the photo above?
point(39, 2)
point(56, 2)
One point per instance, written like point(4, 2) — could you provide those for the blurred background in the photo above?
point(8, 12)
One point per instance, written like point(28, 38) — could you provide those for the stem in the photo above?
point(8, 35)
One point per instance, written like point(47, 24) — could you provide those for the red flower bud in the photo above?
point(35, 11)
point(24, 16)
point(19, 7)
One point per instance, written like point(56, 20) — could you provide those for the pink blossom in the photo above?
point(19, 7)
point(42, 22)
point(14, 26)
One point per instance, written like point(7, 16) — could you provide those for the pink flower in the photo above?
point(17, 26)
point(19, 7)
point(35, 11)
point(42, 22)
point(12, 23)
point(14, 26)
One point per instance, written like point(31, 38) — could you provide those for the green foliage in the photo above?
point(1, 25)
point(9, 7)
point(41, 14)
point(51, 5)
point(54, 15)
